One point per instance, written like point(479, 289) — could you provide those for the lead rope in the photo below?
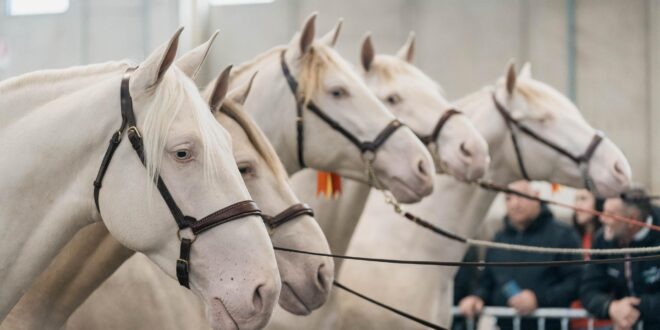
point(389, 199)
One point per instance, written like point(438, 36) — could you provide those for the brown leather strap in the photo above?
point(232, 212)
point(364, 146)
point(428, 139)
point(183, 263)
point(287, 215)
point(582, 160)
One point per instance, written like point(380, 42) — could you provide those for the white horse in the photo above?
point(459, 208)
point(307, 277)
point(458, 149)
point(45, 124)
point(326, 80)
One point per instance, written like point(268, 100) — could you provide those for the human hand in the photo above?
point(524, 303)
point(623, 313)
point(470, 306)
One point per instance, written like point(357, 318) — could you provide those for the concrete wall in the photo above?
point(462, 44)
point(90, 31)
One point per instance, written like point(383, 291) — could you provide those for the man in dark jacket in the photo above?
point(628, 292)
point(525, 289)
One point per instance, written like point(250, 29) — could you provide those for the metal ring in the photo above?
point(178, 234)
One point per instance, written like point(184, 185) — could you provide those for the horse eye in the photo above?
point(393, 99)
point(245, 170)
point(182, 154)
point(339, 92)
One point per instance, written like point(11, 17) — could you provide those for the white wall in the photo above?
point(90, 31)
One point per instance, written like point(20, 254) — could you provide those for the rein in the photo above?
point(368, 149)
point(232, 212)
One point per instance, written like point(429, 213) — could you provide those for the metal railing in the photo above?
point(540, 314)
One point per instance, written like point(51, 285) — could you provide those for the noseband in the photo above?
point(429, 139)
point(287, 215)
point(233, 212)
point(581, 160)
point(368, 149)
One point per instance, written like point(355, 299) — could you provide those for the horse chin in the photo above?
point(219, 317)
point(460, 168)
point(291, 303)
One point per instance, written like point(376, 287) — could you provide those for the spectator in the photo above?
point(628, 292)
point(466, 281)
point(587, 225)
point(525, 289)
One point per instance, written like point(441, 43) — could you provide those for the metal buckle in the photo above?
point(179, 236)
point(135, 131)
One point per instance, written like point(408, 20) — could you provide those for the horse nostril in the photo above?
point(421, 167)
point(465, 151)
point(617, 169)
point(257, 299)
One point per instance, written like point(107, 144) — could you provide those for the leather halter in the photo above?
point(431, 138)
point(233, 212)
point(581, 160)
point(287, 215)
point(364, 146)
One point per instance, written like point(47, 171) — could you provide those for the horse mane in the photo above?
point(545, 99)
point(388, 67)
point(168, 101)
point(256, 137)
point(247, 66)
point(313, 64)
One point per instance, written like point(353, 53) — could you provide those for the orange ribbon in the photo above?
point(328, 184)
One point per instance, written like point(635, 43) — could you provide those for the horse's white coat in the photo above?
point(56, 125)
point(426, 291)
point(402, 163)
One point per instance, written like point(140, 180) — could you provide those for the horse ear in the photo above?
point(526, 71)
point(152, 70)
point(308, 32)
point(367, 53)
point(191, 62)
point(330, 38)
point(511, 77)
point(407, 51)
point(240, 94)
point(220, 89)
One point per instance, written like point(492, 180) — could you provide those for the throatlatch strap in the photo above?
point(183, 263)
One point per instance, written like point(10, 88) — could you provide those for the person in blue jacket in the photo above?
point(626, 293)
point(525, 289)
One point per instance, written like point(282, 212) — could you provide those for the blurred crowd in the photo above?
point(618, 295)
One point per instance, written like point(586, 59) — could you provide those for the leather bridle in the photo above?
point(581, 160)
point(430, 139)
point(287, 215)
point(233, 212)
point(368, 149)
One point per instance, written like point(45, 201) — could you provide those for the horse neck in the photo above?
point(273, 107)
point(460, 207)
point(33, 90)
point(49, 194)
